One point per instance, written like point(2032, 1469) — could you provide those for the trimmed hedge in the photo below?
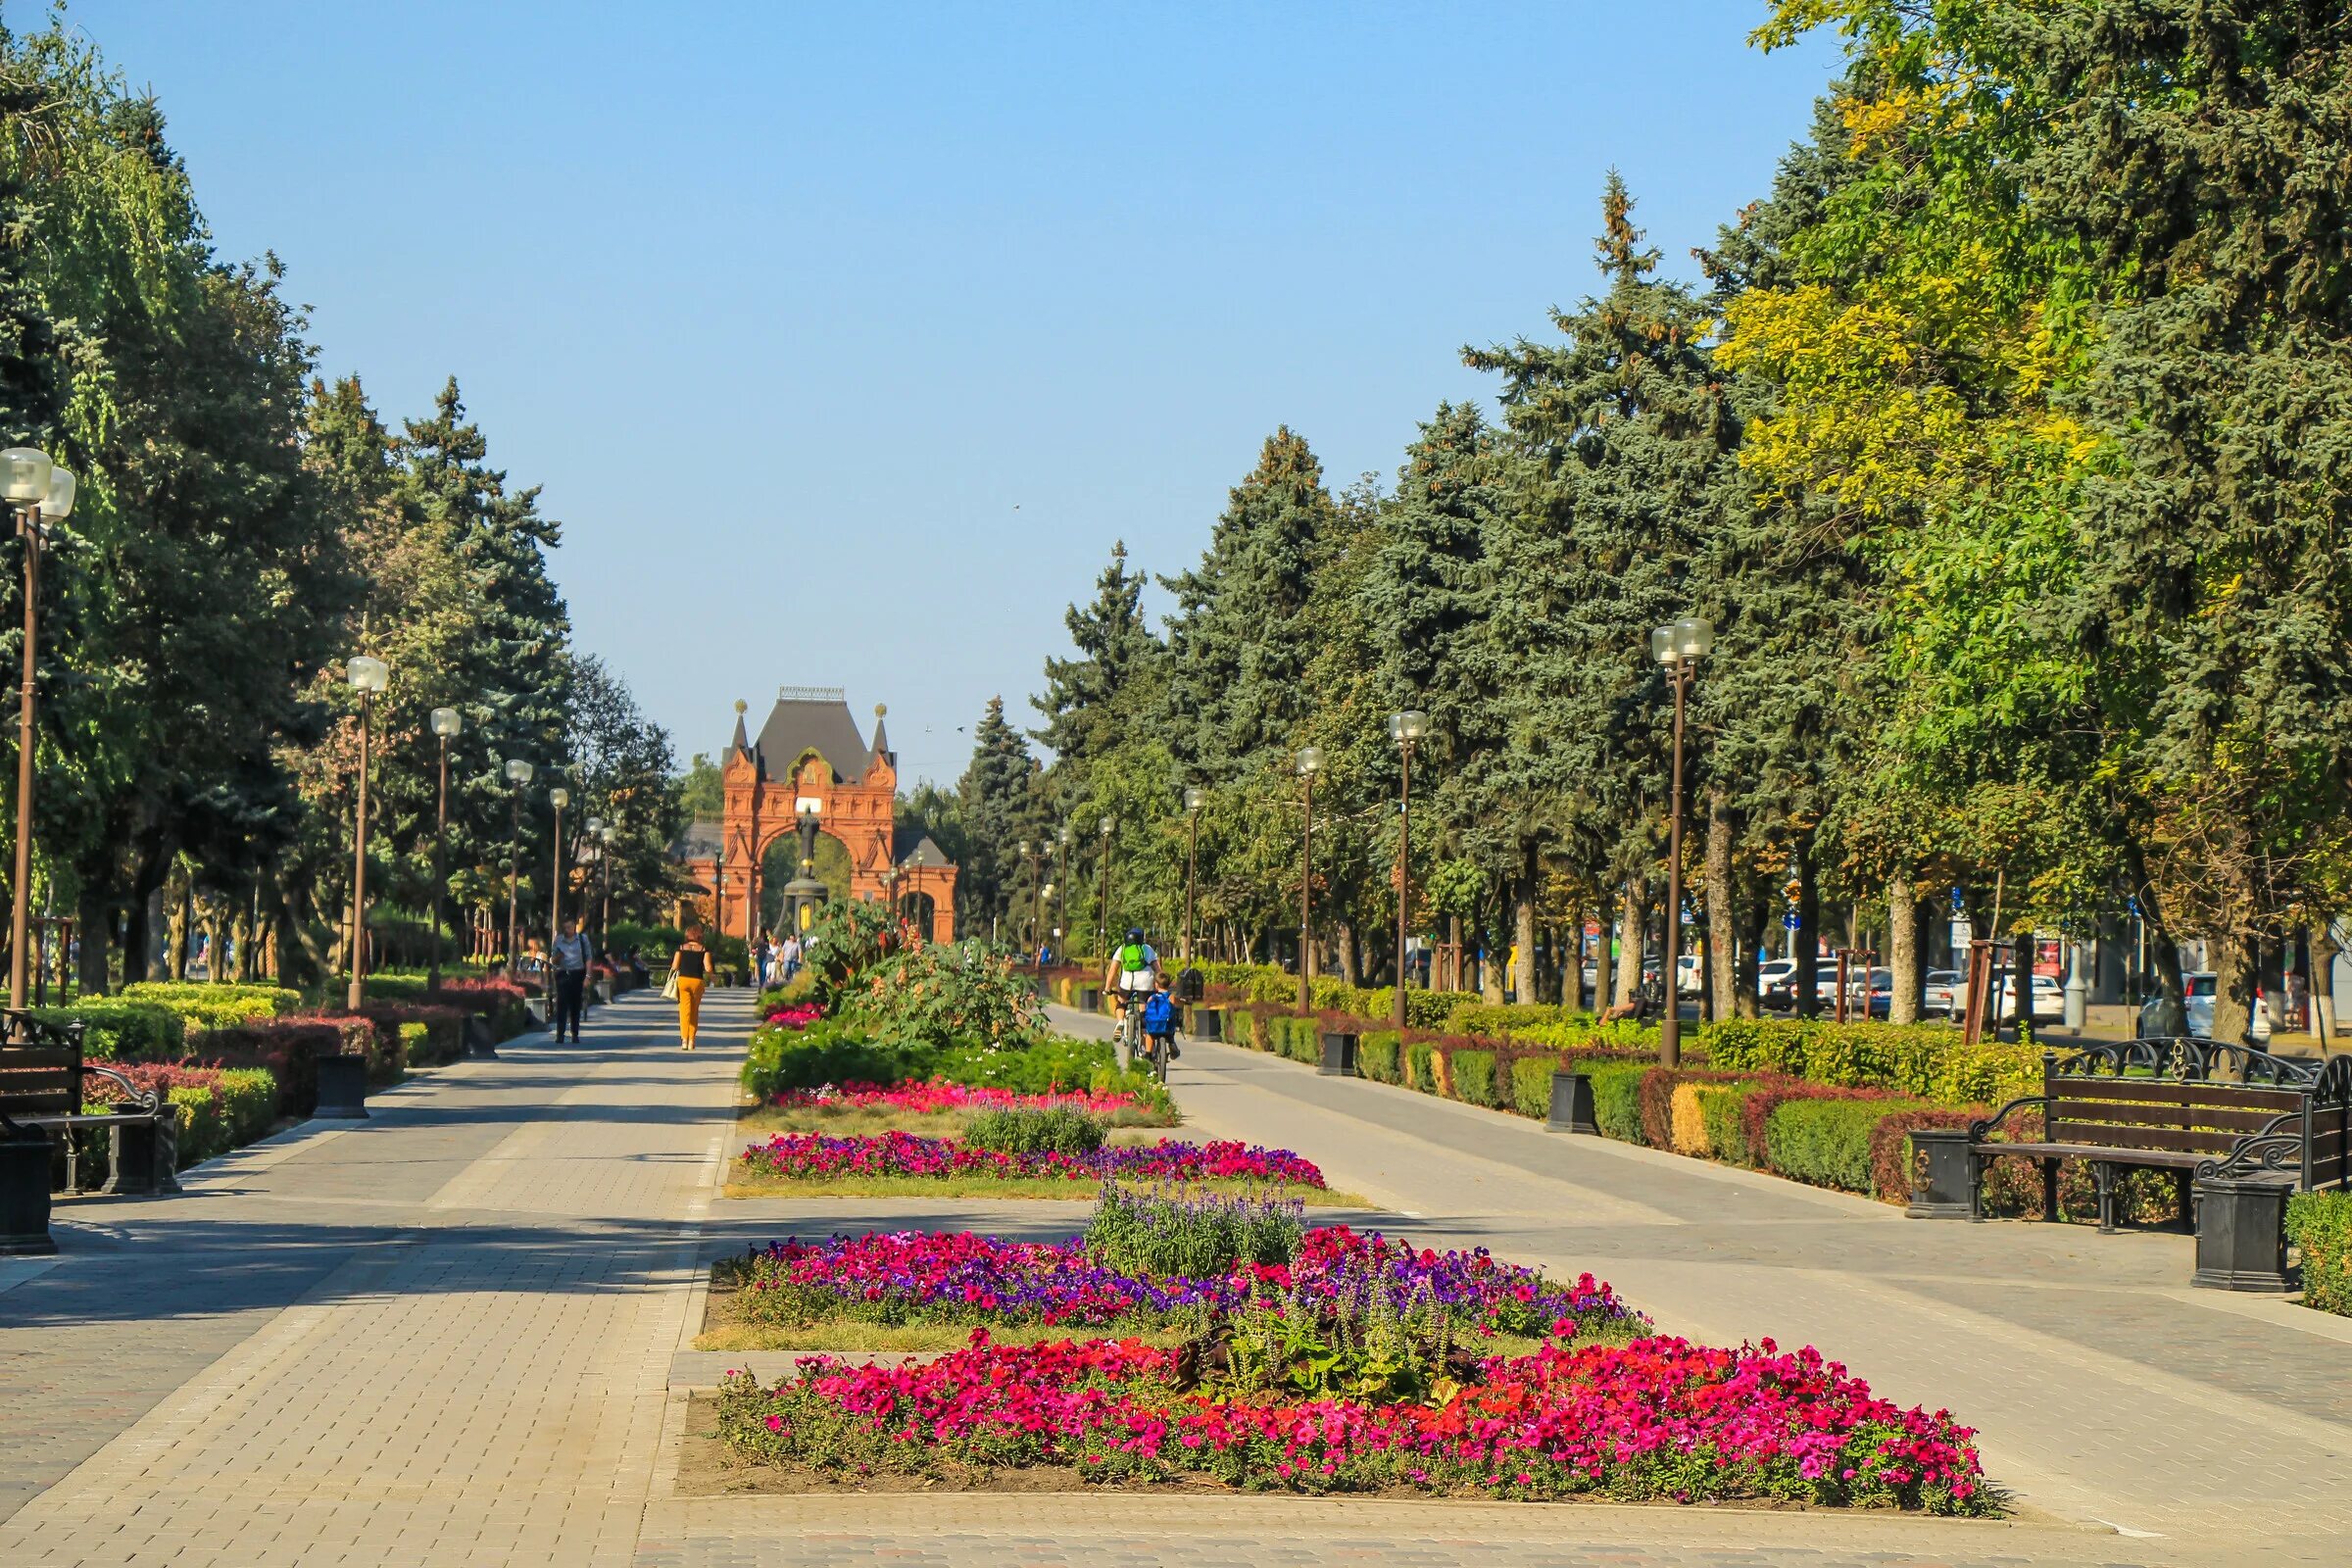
point(828, 1052)
point(1474, 1078)
point(1827, 1142)
point(116, 1030)
point(1531, 1085)
point(2321, 1224)
point(1379, 1057)
point(1421, 1059)
point(1931, 1060)
point(218, 1108)
point(1617, 1100)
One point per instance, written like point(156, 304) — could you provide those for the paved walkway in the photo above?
point(458, 1334)
point(440, 1336)
point(2104, 1388)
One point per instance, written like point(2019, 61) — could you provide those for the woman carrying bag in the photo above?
point(689, 969)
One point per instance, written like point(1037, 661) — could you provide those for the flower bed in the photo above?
point(813, 1156)
point(927, 1099)
point(916, 1275)
point(798, 1016)
point(1657, 1419)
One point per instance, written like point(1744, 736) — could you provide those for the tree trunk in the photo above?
point(1745, 1003)
point(1523, 927)
point(1724, 947)
point(1633, 929)
point(2324, 949)
point(2235, 966)
point(93, 924)
point(1350, 972)
point(1902, 947)
point(1808, 932)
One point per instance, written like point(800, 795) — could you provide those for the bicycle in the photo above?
point(1127, 1035)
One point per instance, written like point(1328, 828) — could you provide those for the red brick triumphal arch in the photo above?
point(808, 759)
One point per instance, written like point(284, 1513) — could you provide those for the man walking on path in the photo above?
point(571, 979)
point(788, 958)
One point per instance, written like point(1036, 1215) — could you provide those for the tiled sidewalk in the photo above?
point(2217, 1427)
point(478, 1294)
point(454, 1335)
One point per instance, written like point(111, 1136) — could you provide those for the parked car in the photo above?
point(2048, 999)
point(1771, 971)
point(1780, 995)
point(1945, 995)
point(2198, 988)
point(1690, 974)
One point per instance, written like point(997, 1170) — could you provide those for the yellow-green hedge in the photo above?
point(1928, 1059)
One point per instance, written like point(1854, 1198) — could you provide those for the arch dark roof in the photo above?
point(914, 847)
point(808, 718)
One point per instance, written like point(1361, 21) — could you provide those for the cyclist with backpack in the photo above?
point(1160, 1029)
point(1134, 972)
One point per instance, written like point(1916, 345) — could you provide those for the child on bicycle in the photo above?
point(1159, 1020)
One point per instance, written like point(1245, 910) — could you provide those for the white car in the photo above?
point(2198, 988)
point(1688, 974)
point(1945, 995)
point(2048, 1000)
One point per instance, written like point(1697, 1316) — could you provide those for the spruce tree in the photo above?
point(992, 804)
point(1241, 638)
point(1091, 701)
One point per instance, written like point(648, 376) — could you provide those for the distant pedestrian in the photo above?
point(788, 958)
point(690, 967)
point(572, 956)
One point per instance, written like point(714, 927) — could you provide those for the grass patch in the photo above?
point(1043, 1187)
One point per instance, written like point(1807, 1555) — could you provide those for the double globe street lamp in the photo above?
point(1194, 798)
point(1405, 728)
point(1679, 648)
point(519, 774)
point(559, 797)
point(1102, 907)
point(447, 724)
point(41, 492)
point(368, 676)
point(1309, 763)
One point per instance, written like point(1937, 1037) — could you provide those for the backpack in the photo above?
point(1131, 958)
point(1160, 1014)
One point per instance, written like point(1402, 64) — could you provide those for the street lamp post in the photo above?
point(1061, 880)
point(41, 492)
point(560, 797)
point(595, 828)
point(518, 773)
point(1310, 762)
point(447, 723)
point(607, 836)
point(367, 677)
point(1029, 866)
point(1102, 905)
point(1405, 728)
point(1194, 798)
point(1679, 646)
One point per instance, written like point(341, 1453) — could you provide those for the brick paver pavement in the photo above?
point(441, 1335)
point(2104, 1388)
point(457, 1333)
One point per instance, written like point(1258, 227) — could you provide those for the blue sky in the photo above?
point(790, 308)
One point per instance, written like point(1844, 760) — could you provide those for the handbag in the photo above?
point(670, 986)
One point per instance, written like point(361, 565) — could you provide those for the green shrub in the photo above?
point(1199, 1237)
point(214, 1004)
point(116, 1030)
point(1379, 1056)
point(1719, 1106)
point(1531, 1085)
point(1624, 1036)
point(1297, 1038)
point(1931, 1061)
point(249, 1102)
point(1030, 1130)
point(1421, 1066)
point(1473, 1076)
point(1617, 1100)
point(1505, 1021)
point(829, 1051)
point(1827, 1142)
point(2321, 1224)
point(203, 1127)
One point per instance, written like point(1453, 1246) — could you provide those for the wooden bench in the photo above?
point(2194, 1107)
point(44, 1083)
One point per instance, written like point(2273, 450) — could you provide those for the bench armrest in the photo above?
point(146, 1102)
point(1977, 1130)
point(2269, 1149)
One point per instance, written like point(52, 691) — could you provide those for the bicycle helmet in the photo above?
point(1135, 933)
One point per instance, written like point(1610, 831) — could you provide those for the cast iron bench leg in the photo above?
point(2104, 1174)
point(2050, 1192)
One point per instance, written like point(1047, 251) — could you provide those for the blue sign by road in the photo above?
point(1789, 920)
